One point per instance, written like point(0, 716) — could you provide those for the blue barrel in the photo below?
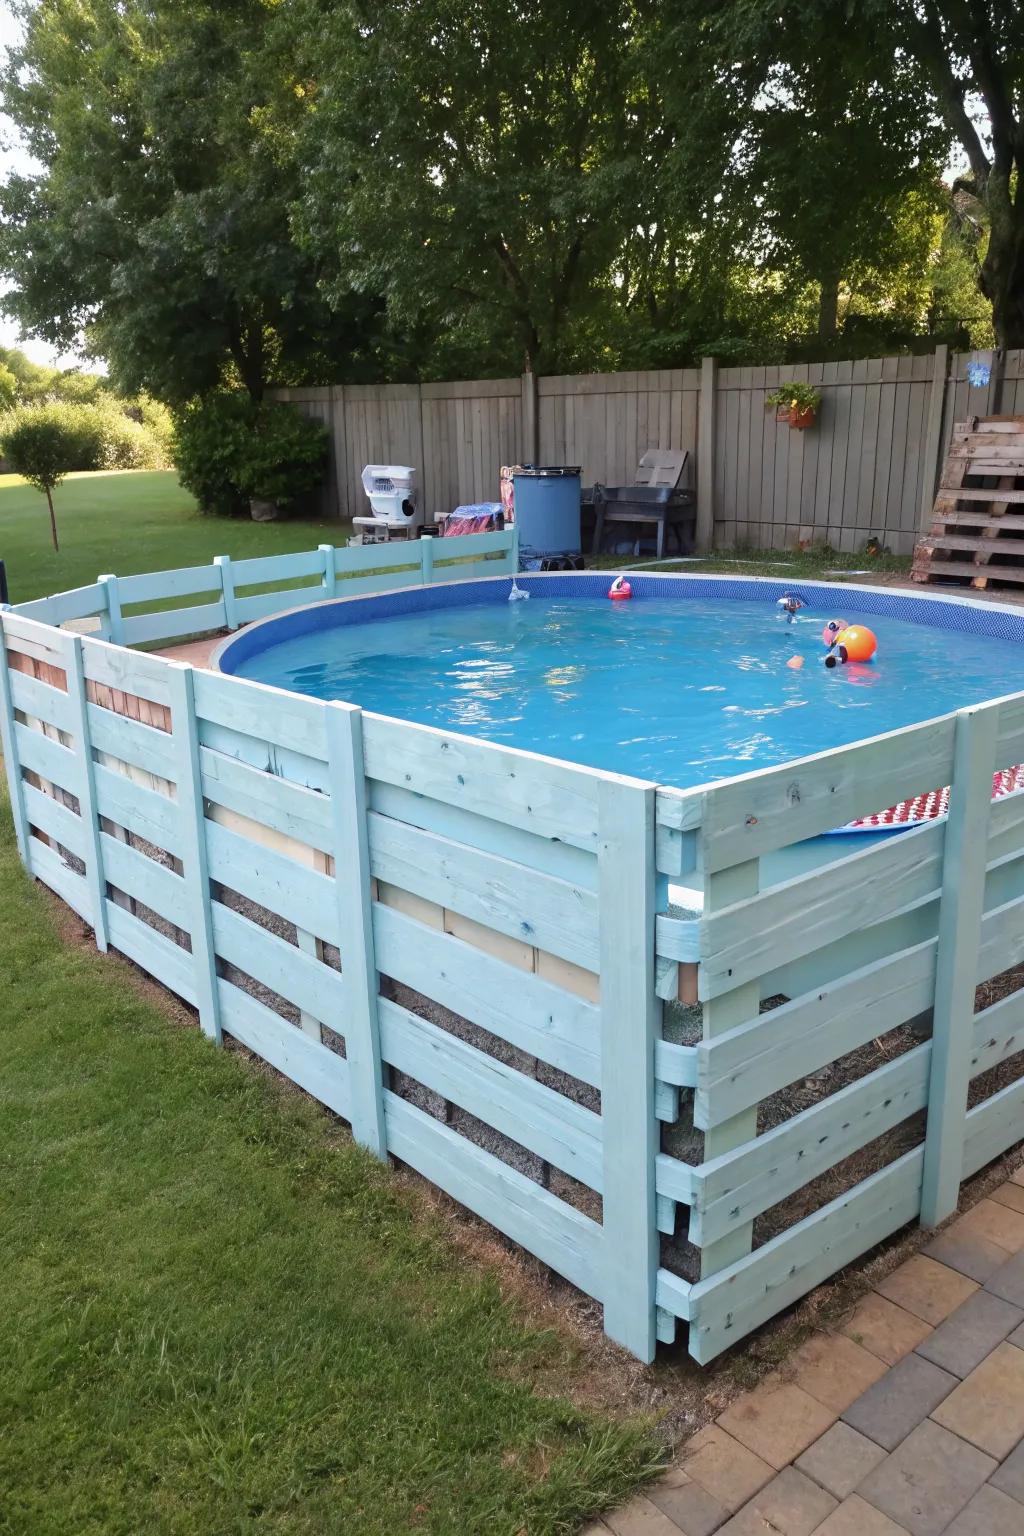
point(547, 511)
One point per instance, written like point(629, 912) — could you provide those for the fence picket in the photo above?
point(223, 564)
point(192, 820)
point(629, 1026)
point(720, 1015)
point(7, 740)
point(351, 844)
point(960, 913)
point(115, 623)
point(94, 871)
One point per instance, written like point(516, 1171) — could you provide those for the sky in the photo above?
point(13, 158)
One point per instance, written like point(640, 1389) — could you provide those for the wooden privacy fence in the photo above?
point(474, 954)
point(867, 468)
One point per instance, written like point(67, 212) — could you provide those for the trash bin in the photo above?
point(547, 503)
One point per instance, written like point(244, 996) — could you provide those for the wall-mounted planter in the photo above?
point(796, 403)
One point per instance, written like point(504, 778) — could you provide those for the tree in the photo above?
point(159, 223)
point(914, 75)
point(477, 164)
point(828, 156)
point(830, 144)
point(975, 49)
point(37, 444)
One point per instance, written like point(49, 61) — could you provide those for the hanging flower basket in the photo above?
point(795, 403)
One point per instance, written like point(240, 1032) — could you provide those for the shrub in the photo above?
point(99, 436)
point(229, 451)
point(158, 421)
point(36, 441)
point(121, 442)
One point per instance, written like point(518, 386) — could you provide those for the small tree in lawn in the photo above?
point(38, 444)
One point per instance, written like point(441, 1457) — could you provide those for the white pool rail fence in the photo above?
point(472, 955)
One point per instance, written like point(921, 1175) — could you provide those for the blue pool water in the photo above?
point(677, 691)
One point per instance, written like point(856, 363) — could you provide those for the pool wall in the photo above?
point(476, 955)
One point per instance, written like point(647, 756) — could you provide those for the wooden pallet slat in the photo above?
point(988, 448)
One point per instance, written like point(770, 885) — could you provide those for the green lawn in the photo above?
point(144, 521)
point(218, 1316)
point(128, 522)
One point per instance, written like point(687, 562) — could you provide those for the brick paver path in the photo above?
point(910, 1422)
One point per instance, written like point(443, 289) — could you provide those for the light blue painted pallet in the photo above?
point(314, 815)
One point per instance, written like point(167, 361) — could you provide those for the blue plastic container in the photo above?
point(547, 511)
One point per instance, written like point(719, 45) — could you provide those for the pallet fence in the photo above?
point(867, 468)
point(160, 607)
point(476, 955)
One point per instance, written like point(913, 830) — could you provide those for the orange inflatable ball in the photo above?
point(859, 642)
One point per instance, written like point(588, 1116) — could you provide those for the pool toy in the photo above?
point(517, 595)
point(859, 642)
point(796, 662)
point(832, 630)
point(791, 603)
point(837, 654)
point(620, 589)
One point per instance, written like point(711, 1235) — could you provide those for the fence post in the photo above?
point(705, 531)
point(115, 623)
point(95, 877)
point(360, 983)
point(513, 554)
point(629, 1026)
point(198, 916)
point(932, 450)
point(965, 855)
point(531, 417)
point(330, 575)
point(426, 544)
point(227, 581)
point(10, 747)
point(721, 1014)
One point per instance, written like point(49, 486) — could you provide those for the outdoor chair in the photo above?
point(658, 496)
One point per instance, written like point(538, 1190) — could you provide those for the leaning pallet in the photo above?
point(977, 524)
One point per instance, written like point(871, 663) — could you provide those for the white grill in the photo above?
point(394, 494)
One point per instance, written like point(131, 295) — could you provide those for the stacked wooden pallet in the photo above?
point(977, 526)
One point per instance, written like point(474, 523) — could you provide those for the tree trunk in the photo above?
point(1002, 273)
point(53, 520)
point(828, 309)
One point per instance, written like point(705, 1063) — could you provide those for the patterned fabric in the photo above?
point(913, 813)
point(479, 517)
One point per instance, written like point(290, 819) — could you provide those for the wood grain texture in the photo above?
point(959, 936)
point(545, 1122)
point(559, 1235)
point(350, 845)
point(85, 788)
point(194, 852)
point(630, 1023)
point(532, 1014)
point(726, 1307)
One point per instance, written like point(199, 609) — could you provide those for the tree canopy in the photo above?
point(244, 191)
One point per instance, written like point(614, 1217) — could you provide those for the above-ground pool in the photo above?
point(688, 682)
